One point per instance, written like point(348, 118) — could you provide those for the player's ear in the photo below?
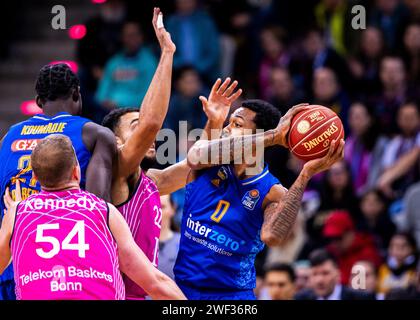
point(38, 101)
point(76, 175)
point(119, 141)
point(76, 94)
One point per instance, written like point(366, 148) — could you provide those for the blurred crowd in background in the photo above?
point(363, 215)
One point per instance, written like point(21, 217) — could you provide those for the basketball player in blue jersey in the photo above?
point(58, 94)
point(230, 213)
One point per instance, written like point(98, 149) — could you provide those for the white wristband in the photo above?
point(160, 21)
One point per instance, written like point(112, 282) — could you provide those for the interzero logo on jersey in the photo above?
point(211, 234)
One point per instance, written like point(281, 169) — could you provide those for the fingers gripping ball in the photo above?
point(312, 131)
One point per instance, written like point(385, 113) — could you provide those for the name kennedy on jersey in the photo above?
point(53, 204)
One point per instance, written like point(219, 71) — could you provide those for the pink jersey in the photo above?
point(62, 248)
point(143, 214)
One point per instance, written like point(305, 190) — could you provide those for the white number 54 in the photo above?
point(80, 246)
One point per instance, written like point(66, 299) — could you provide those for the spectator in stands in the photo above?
point(127, 75)
point(273, 44)
point(399, 271)
point(325, 281)
point(335, 193)
point(347, 244)
point(288, 251)
point(303, 271)
point(169, 237)
point(184, 104)
point(403, 165)
point(197, 39)
point(395, 91)
point(328, 92)
point(391, 17)
point(282, 92)
point(413, 7)
point(365, 64)
point(412, 212)
point(260, 290)
point(280, 280)
point(334, 17)
point(412, 292)
point(408, 119)
point(375, 219)
point(364, 277)
point(411, 52)
point(315, 53)
point(360, 144)
point(101, 42)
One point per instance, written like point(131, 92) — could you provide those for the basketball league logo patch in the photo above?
point(250, 199)
point(303, 126)
point(222, 174)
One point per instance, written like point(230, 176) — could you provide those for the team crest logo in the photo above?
point(250, 199)
point(222, 174)
point(216, 182)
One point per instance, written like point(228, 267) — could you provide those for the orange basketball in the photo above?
point(312, 131)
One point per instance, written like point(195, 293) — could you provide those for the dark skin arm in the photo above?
point(282, 206)
point(100, 141)
point(216, 107)
point(205, 154)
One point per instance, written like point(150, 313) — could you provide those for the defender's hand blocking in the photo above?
point(164, 37)
point(335, 154)
point(284, 125)
point(221, 97)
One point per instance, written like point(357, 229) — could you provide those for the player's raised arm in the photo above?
point(154, 106)
point(283, 206)
point(5, 236)
point(135, 264)
point(216, 107)
point(205, 154)
point(101, 143)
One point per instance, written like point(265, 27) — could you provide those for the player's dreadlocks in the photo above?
point(56, 81)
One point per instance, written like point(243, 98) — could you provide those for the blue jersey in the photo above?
point(16, 151)
point(220, 230)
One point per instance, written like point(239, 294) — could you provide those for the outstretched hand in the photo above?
point(221, 97)
point(164, 37)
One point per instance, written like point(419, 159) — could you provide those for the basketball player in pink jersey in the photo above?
point(66, 243)
point(136, 189)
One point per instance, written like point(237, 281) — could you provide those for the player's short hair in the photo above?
point(56, 82)
point(53, 160)
point(282, 267)
point(112, 119)
point(320, 256)
point(267, 116)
